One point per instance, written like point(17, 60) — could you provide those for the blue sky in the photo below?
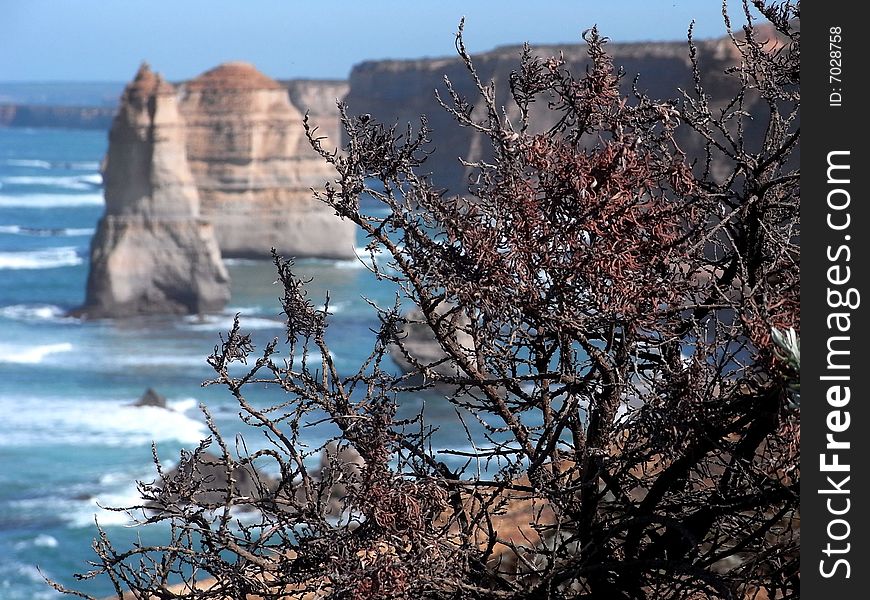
point(105, 40)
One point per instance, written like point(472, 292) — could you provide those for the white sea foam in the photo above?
point(82, 514)
point(242, 261)
point(120, 491)
point(45, 541)
point(58, 181)
point(183, 405)
point(75, 165)
point(114, 479)
point(58, 354)
point(335, 307)
point(42, 540)
point(24, 581)
point(46, 231)
point(82, 165)
point(379, 251)
point(30, 572)
point(23, 162)
point(350, 264)
point(364, 258)
point(95, 179)
point(33, 312)
point(21, 354)
point(77, 231)
point(50, 200)
point(46, 421)
point(225, 323)
point(48, 258)
point(67, 182)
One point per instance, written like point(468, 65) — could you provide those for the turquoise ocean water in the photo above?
point(68, 438)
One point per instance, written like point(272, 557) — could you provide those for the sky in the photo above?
point(105, 40)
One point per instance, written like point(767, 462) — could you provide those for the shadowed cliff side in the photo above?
point(71, 117)
point(402, 90)
point(152, 252)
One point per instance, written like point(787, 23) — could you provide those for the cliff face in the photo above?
point(318, 98)
point(152, 252)
point(403, 90)
point(71, 117)
point(253, 166)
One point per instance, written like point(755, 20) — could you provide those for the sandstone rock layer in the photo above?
point(254, 169)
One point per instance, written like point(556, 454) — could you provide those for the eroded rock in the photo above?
point(152, 253)
point(254, 167)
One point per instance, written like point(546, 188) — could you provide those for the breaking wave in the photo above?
point(46, 231)
point(50, 200)
point(33, 312)
point(67, 182)
point(48, 258)
point(31, 355)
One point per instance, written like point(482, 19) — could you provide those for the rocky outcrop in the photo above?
point(419, 344)
point(221, 162)
point(153, 399)
point(253, 166)
point(206, 475)
point(203, 479)
point(152, 253)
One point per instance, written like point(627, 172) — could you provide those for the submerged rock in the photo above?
point(202, 480)
point(152, 398)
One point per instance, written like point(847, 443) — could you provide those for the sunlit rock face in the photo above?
point(152, 252)
point(254, 168)
point(216, 167)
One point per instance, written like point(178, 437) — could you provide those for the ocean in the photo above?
point(69, 440)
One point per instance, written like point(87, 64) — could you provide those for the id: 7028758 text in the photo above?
point(835, 66)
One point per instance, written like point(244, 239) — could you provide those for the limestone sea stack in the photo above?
point(254, 168)
point(152, 252)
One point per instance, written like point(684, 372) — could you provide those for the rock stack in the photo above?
point(152, 252)
point(254, 168)
point(218, 167)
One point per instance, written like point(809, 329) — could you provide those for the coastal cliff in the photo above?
point(402, 90)
point(64, 117)
point(319, 98)
point(152, 253)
